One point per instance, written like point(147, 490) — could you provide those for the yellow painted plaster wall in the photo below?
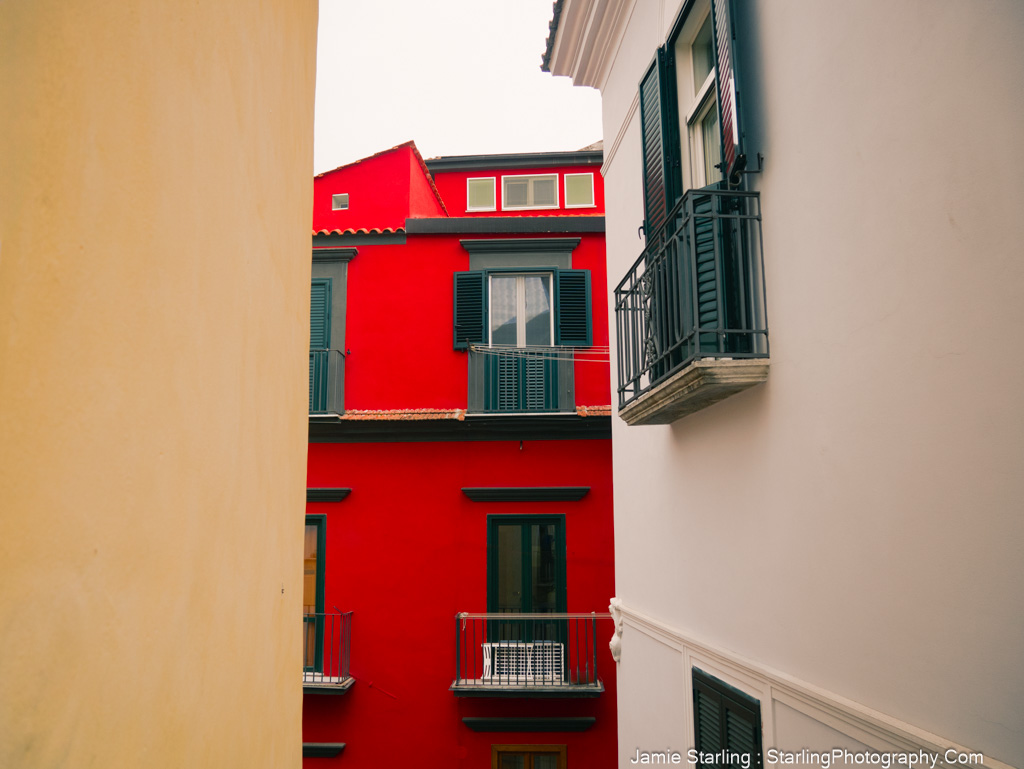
point(155, 198)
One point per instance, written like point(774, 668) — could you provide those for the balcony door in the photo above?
point(313, 593)
point(526, 575)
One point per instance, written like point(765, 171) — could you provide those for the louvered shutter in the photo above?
point(660, 136)
point(319, 340)
point(470, 311)
point(572, 294)
point(708, 313)
point(725, 80)
point(725, 719)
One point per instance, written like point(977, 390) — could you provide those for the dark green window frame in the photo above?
point(525, 522)
point(724, 718)
point(317, 621)
point(320, 301)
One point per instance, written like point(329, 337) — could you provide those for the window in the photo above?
point(480, 194)
point(529, 191)
point(725, 719)
point(339, 202)
point(513, 323)
point(313, 592)
point(687, 105)
point(528, 757)
point(579, 190)
point(526, 564)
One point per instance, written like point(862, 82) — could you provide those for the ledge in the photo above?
point(477, 688)
point(696, 387)
point(322, 749)
point(530, 724)
point(500, 225)
point(526, 493)
point(328, 686)
point(326, 495)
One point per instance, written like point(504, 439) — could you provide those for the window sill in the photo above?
point(699, 385)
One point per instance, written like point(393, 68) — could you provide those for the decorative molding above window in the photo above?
point(322, 749)
point(530, 724)
point(526, 493)
point(334, 254)
point(327, 495)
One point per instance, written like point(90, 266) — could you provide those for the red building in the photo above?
point(459, 520)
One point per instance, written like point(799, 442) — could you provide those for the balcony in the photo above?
point(327, 644)
point(528, 655)
point(690, 313)
point(326, 382)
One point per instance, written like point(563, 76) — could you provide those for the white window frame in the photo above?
point(565, 192)
point(521, 305)
point(336, 201)
point(528, 207)
point(494, 194)
point(694, 103)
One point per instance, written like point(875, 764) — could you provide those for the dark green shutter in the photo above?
point(470, 311)
point(727, 90)
point(572, 294)
point(724, 718)
point(659, 124)
point(319, 340)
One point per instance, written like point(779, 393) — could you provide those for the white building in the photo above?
point(836, 543)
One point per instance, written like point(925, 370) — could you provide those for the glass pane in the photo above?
point(515, 191)
point(309, 569)
point(480, 193)
point(503, 310)
point(538, 309)
point(510, 568)
point(703, 55)
point(712, 139)
point(579, 189)
point(512, 761)
point(544, 192)
point(309, 659)
point(545, 761)
point(543, 567)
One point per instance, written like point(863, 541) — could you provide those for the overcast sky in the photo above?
point(460, 77)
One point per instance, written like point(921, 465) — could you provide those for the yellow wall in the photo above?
point(155, 198)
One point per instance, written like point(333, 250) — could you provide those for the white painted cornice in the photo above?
point(587, 39)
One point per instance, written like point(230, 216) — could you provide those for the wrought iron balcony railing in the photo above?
point(696, 292)
point(528, 655)
point(326, 381)
point(327, 644)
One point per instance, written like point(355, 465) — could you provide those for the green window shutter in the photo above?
point(572, 293)
point(660, 136)
point(320, 314)
point(470, 309)
point(725, 718)
point(727, 91)
point(319, 340)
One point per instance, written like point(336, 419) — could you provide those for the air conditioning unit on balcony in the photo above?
point(519, 662)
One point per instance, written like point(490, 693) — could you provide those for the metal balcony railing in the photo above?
point(326, 381)
point(697, 291)
point(523, 654)
point(327, 645)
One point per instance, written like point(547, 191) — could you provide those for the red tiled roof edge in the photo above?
point(594, 411)
point(362, 231)
point(404, 415)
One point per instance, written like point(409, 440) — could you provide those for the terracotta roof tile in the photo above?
point(403, 415)
point(362, 231)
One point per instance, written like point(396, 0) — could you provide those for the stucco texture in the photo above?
point(154, 271)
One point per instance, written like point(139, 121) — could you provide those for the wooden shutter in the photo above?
point(725, 80)
point(659, 125)
point(319, 340)
point(470, 311)
point(725, 718)
point(572, 295)
point(320, 314)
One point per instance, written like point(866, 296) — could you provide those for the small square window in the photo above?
point(529, 191)
point(480, 194)
point(339, 202)
point(579, 190)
